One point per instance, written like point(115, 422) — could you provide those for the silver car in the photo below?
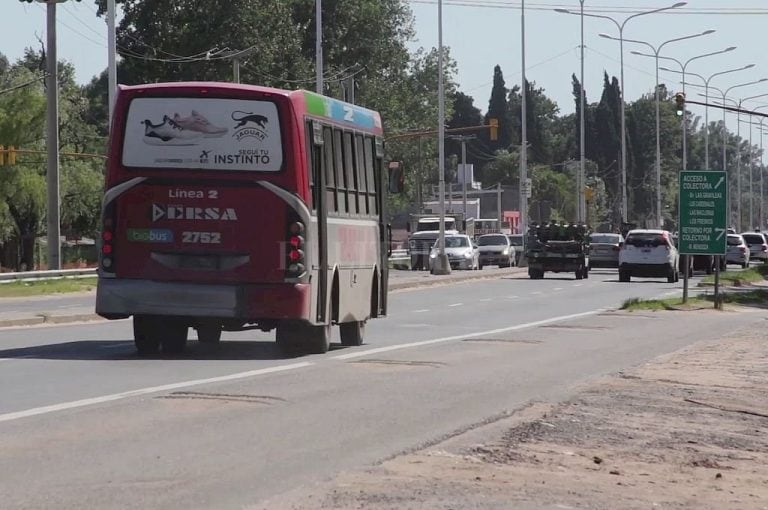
point(737, 251)
point(604, 250)
point(462, 252)
point(758, 246)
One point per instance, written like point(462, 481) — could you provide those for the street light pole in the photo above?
point(582, 215)
point(52, 142)
point(620, 27)
point(441, 264)
point(524, 134)
point(706, 108)
point(683, 68)
point(656, 50)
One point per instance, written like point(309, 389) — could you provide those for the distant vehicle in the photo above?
point(233, 207)
point(557, 250)
point(758, 245)
point(604, 250)
point(461, 251)
point(517, 240)
point(737, 251)
point(425, 229)
point(496, 250)
point(649, 253)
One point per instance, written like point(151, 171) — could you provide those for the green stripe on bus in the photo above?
point(316, 104)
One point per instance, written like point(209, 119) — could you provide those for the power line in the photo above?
point(25, 84)
point(615, 9)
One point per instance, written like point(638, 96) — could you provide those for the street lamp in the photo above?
point(683, 67)
point(656, 50)
point(581, 179)
point(706, 108)
point(620, 26)
point(441, 264)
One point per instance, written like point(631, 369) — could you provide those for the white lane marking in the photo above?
point(455, 304)
point(420, 311)
point(466, 335)
point(558, 288)
point(537, 293)
point(578, 285)
point(485, 300)
point(146, 391)
point(512, 297)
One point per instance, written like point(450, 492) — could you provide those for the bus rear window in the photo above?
point(203, 133)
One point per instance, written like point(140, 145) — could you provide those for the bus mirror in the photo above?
point(396, 177)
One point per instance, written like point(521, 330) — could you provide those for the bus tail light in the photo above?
point(107, 254)
point(295, 250)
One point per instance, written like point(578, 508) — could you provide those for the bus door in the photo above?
point(385, 229)
point(322, 156)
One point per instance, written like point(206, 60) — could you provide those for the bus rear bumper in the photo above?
point(116, 298)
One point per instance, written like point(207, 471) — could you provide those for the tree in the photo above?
point(498, 108)
point(465, 114)
point(541, 114)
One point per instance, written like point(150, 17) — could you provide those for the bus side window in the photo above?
point(349, 166)
point(330, 182)
point(314, 164)
point(360, 175)
point(338, 157)
point(372, 182)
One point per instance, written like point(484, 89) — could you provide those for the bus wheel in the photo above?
point(174, 336)
point(318, 339)
point(209, 333)
point(146, 340)
point(352, 333)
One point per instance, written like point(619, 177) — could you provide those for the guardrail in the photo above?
point(46, 275)
point(398, 257)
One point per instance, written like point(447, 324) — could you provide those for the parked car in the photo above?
point(495, 250)
point(737, 250)
point(758, 246)
point(649, 253)
point(462, 252)
point(517, 240)
point(604, 250)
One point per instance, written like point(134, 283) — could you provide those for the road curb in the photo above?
point(42, 318)
point(515, 273)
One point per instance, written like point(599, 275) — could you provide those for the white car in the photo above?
point(462, 252)
point(758, 245)
point(496, 250)
point(737, 251)
point(649, 253)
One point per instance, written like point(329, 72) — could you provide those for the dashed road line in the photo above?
point(420, 311)
point(455, 305)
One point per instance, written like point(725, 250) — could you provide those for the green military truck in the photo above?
point(557, 248)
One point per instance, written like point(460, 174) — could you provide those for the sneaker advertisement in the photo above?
point(203, 133)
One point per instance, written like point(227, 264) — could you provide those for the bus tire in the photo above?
point(209, 333)
point(352, 333)
point(318, 339)
point(146, 341)
point(174, 336)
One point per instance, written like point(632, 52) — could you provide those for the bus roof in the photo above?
point(311, 103)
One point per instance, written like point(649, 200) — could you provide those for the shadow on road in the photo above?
point(123, 350)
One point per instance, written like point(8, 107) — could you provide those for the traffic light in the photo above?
point(494, 132)
point(589, 194)
point(396, 177)
point(680, 102)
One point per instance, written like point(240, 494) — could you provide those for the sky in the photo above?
point(484, 33)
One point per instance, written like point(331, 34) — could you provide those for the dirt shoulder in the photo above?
point(686, 430)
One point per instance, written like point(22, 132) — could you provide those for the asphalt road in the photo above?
point(84, 423)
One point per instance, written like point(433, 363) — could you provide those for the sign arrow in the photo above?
point(720, 235)
point(722, 179)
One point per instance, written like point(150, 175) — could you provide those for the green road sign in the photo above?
point(703, 206)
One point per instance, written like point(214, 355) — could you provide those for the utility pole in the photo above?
point(111, 58)
point(319, 45)
point(237, 57)
point(441, 263)
point(52, 141)
point(524, 142)
point(463, 139)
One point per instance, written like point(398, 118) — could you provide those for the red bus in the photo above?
point(231, 207)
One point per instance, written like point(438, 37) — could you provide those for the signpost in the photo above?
point(703, 220)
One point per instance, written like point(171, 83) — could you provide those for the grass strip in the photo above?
point(47, 287)
point(738, 278)
point(757, 297)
